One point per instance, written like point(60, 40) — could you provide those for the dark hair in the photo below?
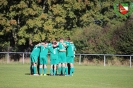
point(68, 38)
point(61, 38)
point(54, 43)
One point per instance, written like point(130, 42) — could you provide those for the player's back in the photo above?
point(61, 46)
point(43, 50)
point(70, 49)
point(35, 51)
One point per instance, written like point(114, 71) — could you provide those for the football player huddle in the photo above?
point(62, 53)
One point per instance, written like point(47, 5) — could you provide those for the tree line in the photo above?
point(93, 25)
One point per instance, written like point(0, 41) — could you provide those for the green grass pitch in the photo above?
point(17, 76)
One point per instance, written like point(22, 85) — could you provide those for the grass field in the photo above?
point(17, 76)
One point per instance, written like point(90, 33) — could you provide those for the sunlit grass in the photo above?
point(16, 75)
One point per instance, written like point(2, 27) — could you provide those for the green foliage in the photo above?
point(124, 35)
point(89, 22)
point(93, 39)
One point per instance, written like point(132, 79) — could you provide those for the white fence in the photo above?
point(104, 57)
point(21, 53)
point(80, 55)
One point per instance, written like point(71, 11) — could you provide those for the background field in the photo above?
point(16, 75)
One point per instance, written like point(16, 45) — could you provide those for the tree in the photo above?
point(90, 23)
point(122, 38)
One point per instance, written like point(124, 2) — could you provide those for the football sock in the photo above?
point(34, 67)
point(45, 70)
point(59, 70)
point(54, 71)
point(66, 69)
point(51, 71)
point(63, 70)
point(31, 69)
point(40, 70)
point(71, 70)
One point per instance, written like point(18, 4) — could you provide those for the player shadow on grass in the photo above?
point(27, 74)
point(46, 75)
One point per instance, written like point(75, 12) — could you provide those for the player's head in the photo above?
point(61, 39)
point(68, 39)
point(43, 42)
point(46, 43)
point(54, 43)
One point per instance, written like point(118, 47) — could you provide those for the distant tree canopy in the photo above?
point(93, 25)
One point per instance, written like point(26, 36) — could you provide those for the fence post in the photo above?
point(23, 58)
point(130, 61)
point(79, 59)
point(104, 60)
point(8, 60)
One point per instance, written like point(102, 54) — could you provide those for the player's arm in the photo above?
point(65, 45)
point(39, 44)
point(50, 49)
point(60, 49)
point(48, 46)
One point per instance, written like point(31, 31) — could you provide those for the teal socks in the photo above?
point(45, 70)
point(66, 69)
point(59, 70)
point(51, 71)
point(54, 71)
point(40, 70)
point(71, 70)
point(34, 67)
point(63, 70)
point(31, 69)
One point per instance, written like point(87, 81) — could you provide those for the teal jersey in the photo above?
point(54, 51)
point(67, 43)
point(50, 45)
point(35, 51)
point(43, 50)
point(70, 49)
point(61, 46)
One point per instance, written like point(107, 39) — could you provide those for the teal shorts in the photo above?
point(54, 60)
point(43, 60)
point(34, 58)
point(70, 59)
point(62, 57)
